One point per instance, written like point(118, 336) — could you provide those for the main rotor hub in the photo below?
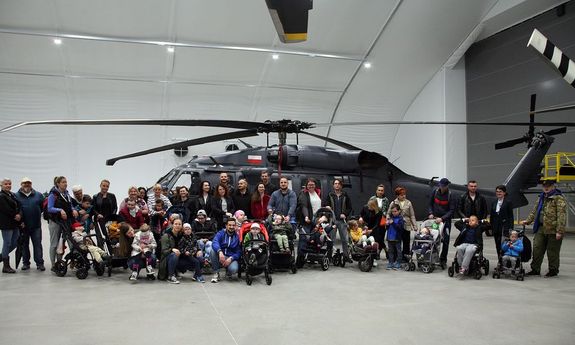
point(285, 126)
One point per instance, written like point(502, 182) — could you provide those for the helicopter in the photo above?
point(360, 170)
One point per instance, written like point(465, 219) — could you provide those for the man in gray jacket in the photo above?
point(283, 201)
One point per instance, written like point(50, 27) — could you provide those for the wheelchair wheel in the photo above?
point(82, 273)
point(478, 274)
point(325, 264)
point(61, 267)
point(450, 271)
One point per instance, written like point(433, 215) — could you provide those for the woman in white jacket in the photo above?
point(406, 209)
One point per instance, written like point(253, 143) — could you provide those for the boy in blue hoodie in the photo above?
point(511, 250)
point(226, 250)
point(394, 231)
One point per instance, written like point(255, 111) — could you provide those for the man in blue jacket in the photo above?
point(226, 251)
point(31, 201)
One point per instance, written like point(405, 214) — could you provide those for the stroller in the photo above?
point(425, 249)
point(364, 256)
point(77, 257)
point(281, 260)
point(517, 271)
point(316, 247)
point(109, 235)
point(256, 256)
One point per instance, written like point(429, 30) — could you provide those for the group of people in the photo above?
point(180, 230)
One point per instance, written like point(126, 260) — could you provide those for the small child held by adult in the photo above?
point(142, 255)
point(396, 226)
point(512, 250)
point(280, 229)
point(79, 236)
point(85, 213)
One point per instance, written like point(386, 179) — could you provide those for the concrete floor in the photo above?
point(339, 306)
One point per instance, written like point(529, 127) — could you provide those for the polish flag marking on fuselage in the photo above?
point(253, 159)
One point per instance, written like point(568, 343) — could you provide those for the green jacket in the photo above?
point(554, 214)
point(168, 242)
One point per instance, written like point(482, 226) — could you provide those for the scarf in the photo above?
point(542, 198)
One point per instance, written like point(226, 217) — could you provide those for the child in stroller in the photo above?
point(85, 243)
point(317, 245)
point(425, 247)
point(282, 254)
point(255, 251)
point(364, 249)
point(511, 262)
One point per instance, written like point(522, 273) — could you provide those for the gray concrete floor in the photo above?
point(339, 306)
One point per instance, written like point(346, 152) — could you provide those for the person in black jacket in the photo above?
point(469, 240)
point(472, 203)
point(10, 223)
point(31, 202)
point(243, 198)
point(61, 212)
point(105, 204)
point(501, 217)
point(222, 205)
point(442, 208)
point(339, 202)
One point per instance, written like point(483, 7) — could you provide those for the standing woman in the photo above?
point(10, 220)
point(371, 218)
point(105, 204)
point(408, 214)
point(259, 204)
point(143, 193)
point(501, 217)
point(61, 212)
point(222, 205)
point(204, 201)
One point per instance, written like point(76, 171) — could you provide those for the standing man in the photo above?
point(472, 203)
point(549, 217)
point(270, 187)
point(283, 201)
point(10, 220)
point(442, 208)
point(225, 181)
point(242, 198)
point(338, 201)
point(31, 202)
point(382, 201)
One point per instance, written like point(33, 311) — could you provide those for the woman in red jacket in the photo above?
point(260, 202)
point(132, 214)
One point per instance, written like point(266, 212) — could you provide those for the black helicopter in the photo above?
point(360, 170)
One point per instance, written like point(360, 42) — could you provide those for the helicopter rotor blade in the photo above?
point(556, 131)
point(187, 143)
point(333, 141)
point(145, 122)
point(510, 143)
point(461, 123)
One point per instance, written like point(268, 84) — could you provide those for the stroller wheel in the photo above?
point(411, 266)
point(61, 267)
point(82, 273)
point(293, 269)
point(478, 274)
point(336, 259)
point(100, 268)
point(486, 267)
point(366, 265)
point(268, 278)
point(425, 268)
point(249, 279)
point(496, 275)
point(325, 263)
point(450, 271)
point(431, 268)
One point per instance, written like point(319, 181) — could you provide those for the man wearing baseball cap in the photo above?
point(31, 201)
point(548, 217)
point(441, 208)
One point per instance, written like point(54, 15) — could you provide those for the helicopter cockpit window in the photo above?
point(188, 179)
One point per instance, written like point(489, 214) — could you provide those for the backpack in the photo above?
point(45, 214)
point(526, 253)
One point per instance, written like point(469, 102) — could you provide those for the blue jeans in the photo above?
point(10, 241)
point(215, 261)
point(394, 252)
point(36, 236)
point(206, 248)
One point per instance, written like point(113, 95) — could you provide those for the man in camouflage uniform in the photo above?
point(549, 217)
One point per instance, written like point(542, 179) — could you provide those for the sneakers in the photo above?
point(41, 267)
point(149, 270)
point(533, 273)
point(216, 277)
point(389, 266)
point(173, 280)
point(375, 264)
point(134, 276)
point(396, 266)
point(551, 274)
point(200, 279)
point(462, 271)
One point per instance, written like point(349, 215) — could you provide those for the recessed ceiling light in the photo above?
point(57, 41)
point(171, 49)
point(367, 64)
point(275, 56)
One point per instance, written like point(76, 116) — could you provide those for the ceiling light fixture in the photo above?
point(275, 56)
point(57, 41)
point(367, 64)
point(171, 49)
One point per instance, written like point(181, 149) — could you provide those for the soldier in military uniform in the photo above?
point(549, 218)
